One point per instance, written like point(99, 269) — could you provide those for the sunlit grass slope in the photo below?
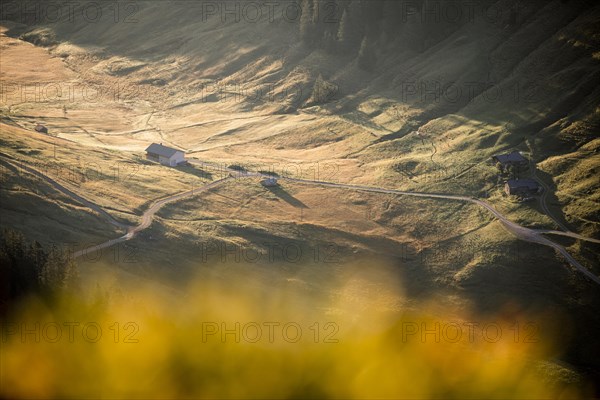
point(122, 181)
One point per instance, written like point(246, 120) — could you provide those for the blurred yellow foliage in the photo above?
point(234, 341)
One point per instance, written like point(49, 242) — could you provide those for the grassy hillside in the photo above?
point(261, 92)
point(403, 103)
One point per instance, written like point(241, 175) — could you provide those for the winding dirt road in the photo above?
point(521, 232)
point(147, 216)
point(15, 165)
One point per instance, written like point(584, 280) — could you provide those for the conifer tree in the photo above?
point(306, 22)
point(29, 269)
point(351, 28)
point(366, 55)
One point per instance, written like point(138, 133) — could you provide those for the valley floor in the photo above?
point(355, 191)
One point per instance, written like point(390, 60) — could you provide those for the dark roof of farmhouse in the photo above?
point(522, 183)
point(161, 150)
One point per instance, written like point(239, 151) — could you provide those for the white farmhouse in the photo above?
point(165, 155)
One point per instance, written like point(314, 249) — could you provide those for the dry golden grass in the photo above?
point(452, 255)
point(122, 181)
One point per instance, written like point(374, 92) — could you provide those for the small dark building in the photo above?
point(269, 182)
point(522, 187)
point(511, 159)
point(41, 129)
